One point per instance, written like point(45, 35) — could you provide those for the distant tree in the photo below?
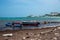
point(30, 16)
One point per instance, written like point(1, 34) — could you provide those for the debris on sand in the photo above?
point(52, 33)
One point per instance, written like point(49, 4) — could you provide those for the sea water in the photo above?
point(31, 18)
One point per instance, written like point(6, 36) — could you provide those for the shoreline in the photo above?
point(50, 33)
point(42, 25)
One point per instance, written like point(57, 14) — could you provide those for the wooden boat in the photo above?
point(20, 25)
point(14, 25)
point(30, 23)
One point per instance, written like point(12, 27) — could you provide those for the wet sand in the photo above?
point(50, 33)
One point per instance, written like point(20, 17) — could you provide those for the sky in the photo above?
point(23, 8)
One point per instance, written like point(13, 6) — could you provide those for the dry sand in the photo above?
point(52, 33)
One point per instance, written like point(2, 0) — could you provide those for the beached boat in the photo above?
point(30, 23)
point(14, 25)
point(18, 24)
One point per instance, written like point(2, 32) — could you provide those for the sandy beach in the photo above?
point(44, 32)
point(50, 33)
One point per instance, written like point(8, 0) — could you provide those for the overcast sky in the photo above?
point(21, 8)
